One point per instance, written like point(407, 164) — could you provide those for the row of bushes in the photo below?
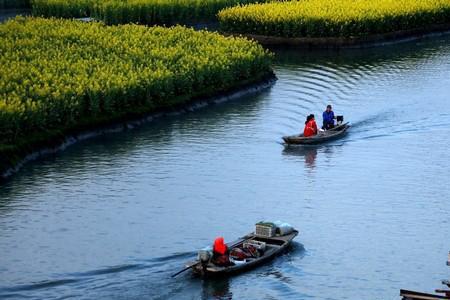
point(148, 12)
point(333, 18)
point(6, 4)
point(63, 8)
point(58, 73)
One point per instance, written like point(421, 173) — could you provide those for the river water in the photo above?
point(113, 217)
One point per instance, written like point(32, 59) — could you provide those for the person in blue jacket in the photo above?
point(328, 118)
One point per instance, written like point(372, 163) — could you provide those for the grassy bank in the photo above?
point(136, 11)
point(9, 4)
point(60, 75)
point(333, 18)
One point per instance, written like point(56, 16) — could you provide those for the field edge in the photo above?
point(348, 42)
point(14, 157)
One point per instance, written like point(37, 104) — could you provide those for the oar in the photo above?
point(185, 269)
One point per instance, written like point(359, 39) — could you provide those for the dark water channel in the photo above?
point(7, 14)
point(113, 217)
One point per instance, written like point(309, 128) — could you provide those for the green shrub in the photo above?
point(136, 11)
point(63, 8)
point(333, 18)
point(59, 73)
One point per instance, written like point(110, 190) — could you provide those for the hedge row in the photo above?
point(59, 73)
point(333, 18)
point(148, 12)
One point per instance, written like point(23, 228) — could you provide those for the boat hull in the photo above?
point(412, 295)
point(329, 135)
point(277, 245)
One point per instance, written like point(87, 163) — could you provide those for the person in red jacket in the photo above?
point(220, 253)
point(310, 126)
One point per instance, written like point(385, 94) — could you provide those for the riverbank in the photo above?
point(14, 158)
point(374, 40)
point(61, 76)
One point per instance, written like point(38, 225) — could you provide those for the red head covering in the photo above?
point(219, 246)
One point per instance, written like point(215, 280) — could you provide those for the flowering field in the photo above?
point(59, 73)
point(333, 18)
point(136, 11)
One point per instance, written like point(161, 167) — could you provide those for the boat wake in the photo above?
point(98, 278)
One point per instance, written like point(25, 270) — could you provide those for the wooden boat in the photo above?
point(412, 295)
point(321, 137)
point(274, 246)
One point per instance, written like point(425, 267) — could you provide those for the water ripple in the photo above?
point(142, 202)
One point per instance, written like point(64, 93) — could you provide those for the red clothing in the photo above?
point(219, 246)
point(220, 253)
point(310, 128)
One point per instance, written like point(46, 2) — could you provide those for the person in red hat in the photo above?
point(220, 253)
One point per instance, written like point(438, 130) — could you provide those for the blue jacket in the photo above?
point(328, 118)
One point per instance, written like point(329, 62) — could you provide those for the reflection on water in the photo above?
point(309, 153)
point(217, 289)
point(115, 216)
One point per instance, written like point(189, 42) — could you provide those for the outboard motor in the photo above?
point(204, 256)
point(339, 120)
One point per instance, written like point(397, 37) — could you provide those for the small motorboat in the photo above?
point(270, 245)
point(322, 137)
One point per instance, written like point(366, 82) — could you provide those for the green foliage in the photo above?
point(63, 8)
point(136, 11)
point(58, 73)
point(333, 18)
